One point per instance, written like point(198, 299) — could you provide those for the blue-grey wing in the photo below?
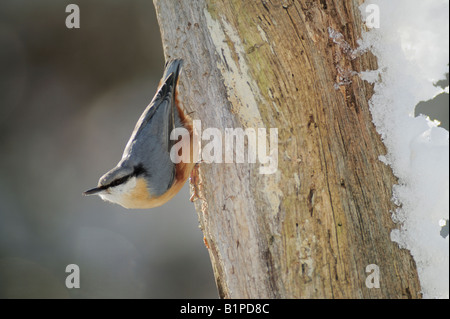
point(149, 145)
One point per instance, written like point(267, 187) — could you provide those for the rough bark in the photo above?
point(310, 229)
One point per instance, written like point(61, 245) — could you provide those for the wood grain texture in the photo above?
point(310, 229)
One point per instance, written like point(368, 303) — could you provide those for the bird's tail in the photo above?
point(173, 66)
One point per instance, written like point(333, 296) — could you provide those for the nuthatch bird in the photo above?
point(146, 176)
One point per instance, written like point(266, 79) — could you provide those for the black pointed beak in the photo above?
point(93, 191)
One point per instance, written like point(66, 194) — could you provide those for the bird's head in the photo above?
point(124, 185)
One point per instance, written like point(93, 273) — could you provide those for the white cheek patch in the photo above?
point(117, 194)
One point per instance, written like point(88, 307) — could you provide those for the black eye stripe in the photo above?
point(138, 170)
point(119, 181)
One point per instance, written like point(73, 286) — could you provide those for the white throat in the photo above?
point(118, 193)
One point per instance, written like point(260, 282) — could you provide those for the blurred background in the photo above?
point(69, 100)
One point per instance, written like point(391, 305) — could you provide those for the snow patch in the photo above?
point(412, 50)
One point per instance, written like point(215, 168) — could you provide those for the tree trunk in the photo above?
point(310, 229)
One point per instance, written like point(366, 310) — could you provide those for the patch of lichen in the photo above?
point(241, 15)
point(211, 7)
